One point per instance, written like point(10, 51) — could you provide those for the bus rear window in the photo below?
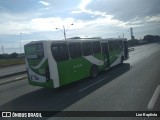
point(34, 51)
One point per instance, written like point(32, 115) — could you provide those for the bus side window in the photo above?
point(87, 48)
point(75, 50)
point(60, 51)
point(104, 48)
point(96, 47)
point(118, 44)
point(111, 46)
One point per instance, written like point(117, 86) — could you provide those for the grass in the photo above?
point(8, 62)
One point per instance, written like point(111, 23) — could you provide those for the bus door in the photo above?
point(105, 53)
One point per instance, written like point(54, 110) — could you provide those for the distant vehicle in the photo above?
point(53, 64)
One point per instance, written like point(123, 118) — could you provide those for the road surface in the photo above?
point(135, 86)
point(12, 69)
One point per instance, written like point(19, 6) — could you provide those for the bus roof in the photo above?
point(75, 40)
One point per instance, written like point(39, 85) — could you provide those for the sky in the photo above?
point(23, 21)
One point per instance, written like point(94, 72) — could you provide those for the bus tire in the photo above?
point(94, 71)
point(122, 59)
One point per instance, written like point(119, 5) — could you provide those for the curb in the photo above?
point(13, 74)
point(14, 80)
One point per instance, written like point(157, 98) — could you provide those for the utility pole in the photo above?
point(20, 41)
point(123, 35)
point(2, 50)
point(64, 32)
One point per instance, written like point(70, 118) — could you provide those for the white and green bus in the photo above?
point(54, 64)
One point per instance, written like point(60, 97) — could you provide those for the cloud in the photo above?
point(126, 10)
point(13, 25)
point(120, 14)
point(10, 28)
point(82, 9)
point(44, 3)
point(50, 23)
point(34, 25)
point(83, 4)
point(153, 18)
point(101, 18)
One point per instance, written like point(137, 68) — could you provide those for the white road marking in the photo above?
point(92, 84)
point(19, 77)
point(154, 98)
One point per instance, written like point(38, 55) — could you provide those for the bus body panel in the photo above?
point(50, 73)
point(36, 66)
point(53, 68)
point(73, 70)
point(100, 57)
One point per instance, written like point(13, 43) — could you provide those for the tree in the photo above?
point(14, 55)
point(152, 38)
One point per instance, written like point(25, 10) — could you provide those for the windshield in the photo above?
point(34, 51)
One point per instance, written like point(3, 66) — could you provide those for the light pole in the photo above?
point(2, 50)
point(64, 31)
point(123, 35)
point(20, 41)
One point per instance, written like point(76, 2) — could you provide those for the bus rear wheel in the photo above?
point(94, 71)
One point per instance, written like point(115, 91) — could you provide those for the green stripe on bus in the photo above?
point(73, 70)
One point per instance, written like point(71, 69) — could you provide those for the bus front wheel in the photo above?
point(94, 71)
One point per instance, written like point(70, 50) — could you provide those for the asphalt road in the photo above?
point(131, 87)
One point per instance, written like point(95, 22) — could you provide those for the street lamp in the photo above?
point(123, 35)
point(64, 31)
point(20, 41)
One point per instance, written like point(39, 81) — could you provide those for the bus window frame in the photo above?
point(70, 52)
point(100, 48)
point(91, 50)
point(61, 58)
